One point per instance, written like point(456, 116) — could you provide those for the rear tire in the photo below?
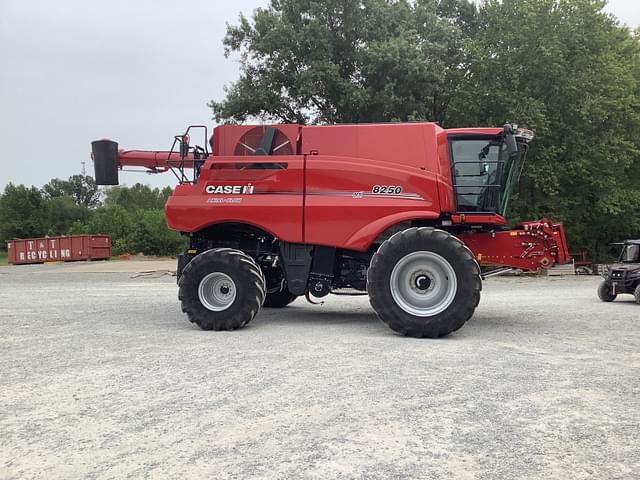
point(221, 289)
point(424, 282)
point(636, 294)
point(279, 299)
point(605, 294)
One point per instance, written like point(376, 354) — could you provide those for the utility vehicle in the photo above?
point(623, 276)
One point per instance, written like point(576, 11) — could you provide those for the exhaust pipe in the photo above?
point(105, 161)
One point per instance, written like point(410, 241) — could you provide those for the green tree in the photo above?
point(137, 197)
point(23, 213)
point(113, 220)
point(150, 235)
point(82, 189)
point(134, 218)
point(567, 70)
point(357, 61)
point(63, 213)
point(55, 188)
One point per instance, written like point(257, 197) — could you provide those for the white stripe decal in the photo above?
point(400, 196)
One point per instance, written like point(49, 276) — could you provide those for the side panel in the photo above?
point(79, 248)
point(100, 247)
point(54, 249)
point(34, 250)
point(265, 191)
point(14, 247)
point(397, 144)
point(65, 248)
point(350, 201)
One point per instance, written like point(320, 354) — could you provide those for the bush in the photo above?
point(133, 231)
point(149, 235)
point(113, 220)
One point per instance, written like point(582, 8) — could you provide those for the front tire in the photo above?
point(636, 294)
point(424, 282)
point(221, 289)
point(605, 293)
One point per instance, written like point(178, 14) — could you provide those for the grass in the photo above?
point(3, 258)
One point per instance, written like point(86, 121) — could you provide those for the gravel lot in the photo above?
point(102, 376)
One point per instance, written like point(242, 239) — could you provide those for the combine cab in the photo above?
point(405, 213)
point(624, 276)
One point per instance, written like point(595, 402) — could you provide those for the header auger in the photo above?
point(405, 213)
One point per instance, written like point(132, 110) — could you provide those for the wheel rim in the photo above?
point(217, 291)
point(423, 284)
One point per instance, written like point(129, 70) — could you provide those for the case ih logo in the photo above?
point(229, 189)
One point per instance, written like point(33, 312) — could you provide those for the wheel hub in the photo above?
point(217, 291)
point(423, 283)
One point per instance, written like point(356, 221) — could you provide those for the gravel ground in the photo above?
point(103, 377)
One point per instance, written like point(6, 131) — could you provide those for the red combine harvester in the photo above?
point(405, 213)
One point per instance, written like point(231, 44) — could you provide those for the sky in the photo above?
point(138, 72)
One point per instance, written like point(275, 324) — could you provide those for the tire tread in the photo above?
point(417, 239)
point(243, 267)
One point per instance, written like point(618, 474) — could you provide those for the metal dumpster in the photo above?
point(56, 249)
